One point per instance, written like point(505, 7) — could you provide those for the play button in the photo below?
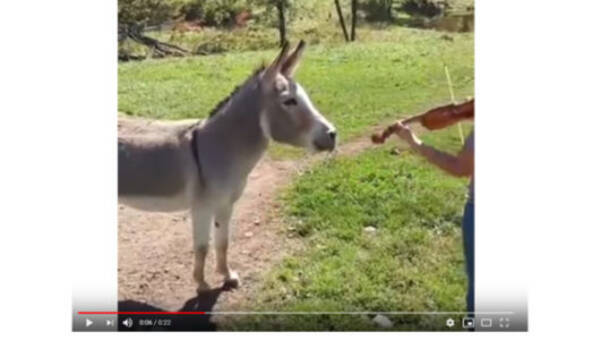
point(88, 322)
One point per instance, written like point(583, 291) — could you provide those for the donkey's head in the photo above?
point(288, 115)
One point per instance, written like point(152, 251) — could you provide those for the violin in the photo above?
point(434, 119)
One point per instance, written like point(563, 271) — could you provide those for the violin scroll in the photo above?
point(434, 119)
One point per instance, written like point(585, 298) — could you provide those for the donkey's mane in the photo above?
point(218, 108)
point(224, 102)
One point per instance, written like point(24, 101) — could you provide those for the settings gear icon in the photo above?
point(450, 322)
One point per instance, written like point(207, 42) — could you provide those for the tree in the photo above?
point(353, 30)
point(147, 12)
point(281, 6)
point(282, 14)
point(341, 17)
point(135, 15)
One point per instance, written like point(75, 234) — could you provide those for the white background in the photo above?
point(537, 73)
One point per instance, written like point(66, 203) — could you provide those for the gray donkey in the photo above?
point(204, 167)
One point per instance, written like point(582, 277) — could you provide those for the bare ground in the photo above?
point(155, 249)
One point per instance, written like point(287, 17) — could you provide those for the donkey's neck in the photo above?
point(238, 131)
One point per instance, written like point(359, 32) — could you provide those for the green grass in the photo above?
point(412, 263)
point(354, 85)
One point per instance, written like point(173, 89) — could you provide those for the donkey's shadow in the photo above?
point(203, 302)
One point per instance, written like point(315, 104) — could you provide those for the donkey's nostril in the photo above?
point(332, 134)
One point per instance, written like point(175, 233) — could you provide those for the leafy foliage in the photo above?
point(148, 12)
point(215, 12)
point(210, 13)
point(429, 8)
point(377, 10)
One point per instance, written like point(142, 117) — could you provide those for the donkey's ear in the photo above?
point(275, 67)
point(291, 64)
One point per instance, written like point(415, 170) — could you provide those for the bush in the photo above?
point(148, 12)
point(155, 12)
point(428, 8)
point(377, 10)
point(215, 12)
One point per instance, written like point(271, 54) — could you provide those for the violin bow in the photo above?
point(453, 99)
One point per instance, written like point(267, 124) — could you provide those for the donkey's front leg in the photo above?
point(222, 234)
point(202, 219)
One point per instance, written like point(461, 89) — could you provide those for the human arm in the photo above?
point(461, 165)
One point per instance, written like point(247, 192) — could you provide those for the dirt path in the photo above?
point(155, 249)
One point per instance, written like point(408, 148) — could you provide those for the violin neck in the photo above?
point(413, 119)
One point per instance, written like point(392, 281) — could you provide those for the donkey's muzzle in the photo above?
point(332, 134)
point(326, 141)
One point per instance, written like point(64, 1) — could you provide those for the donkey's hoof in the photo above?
point(232, 282)
point(202, 287)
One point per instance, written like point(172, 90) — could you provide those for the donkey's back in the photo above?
point(156, 165)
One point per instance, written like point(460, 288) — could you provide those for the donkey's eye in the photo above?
point(290, 101)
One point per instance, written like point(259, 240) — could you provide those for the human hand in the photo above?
point(406, 134)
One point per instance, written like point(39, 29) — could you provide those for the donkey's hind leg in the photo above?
point(222, 234)
point(202, 219)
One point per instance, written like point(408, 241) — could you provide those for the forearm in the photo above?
point(448, 163)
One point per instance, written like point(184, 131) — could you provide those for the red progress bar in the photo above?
point(143, 313)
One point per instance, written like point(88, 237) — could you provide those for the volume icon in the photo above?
point(128, 322)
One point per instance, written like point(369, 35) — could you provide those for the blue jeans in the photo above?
point(468, 233)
